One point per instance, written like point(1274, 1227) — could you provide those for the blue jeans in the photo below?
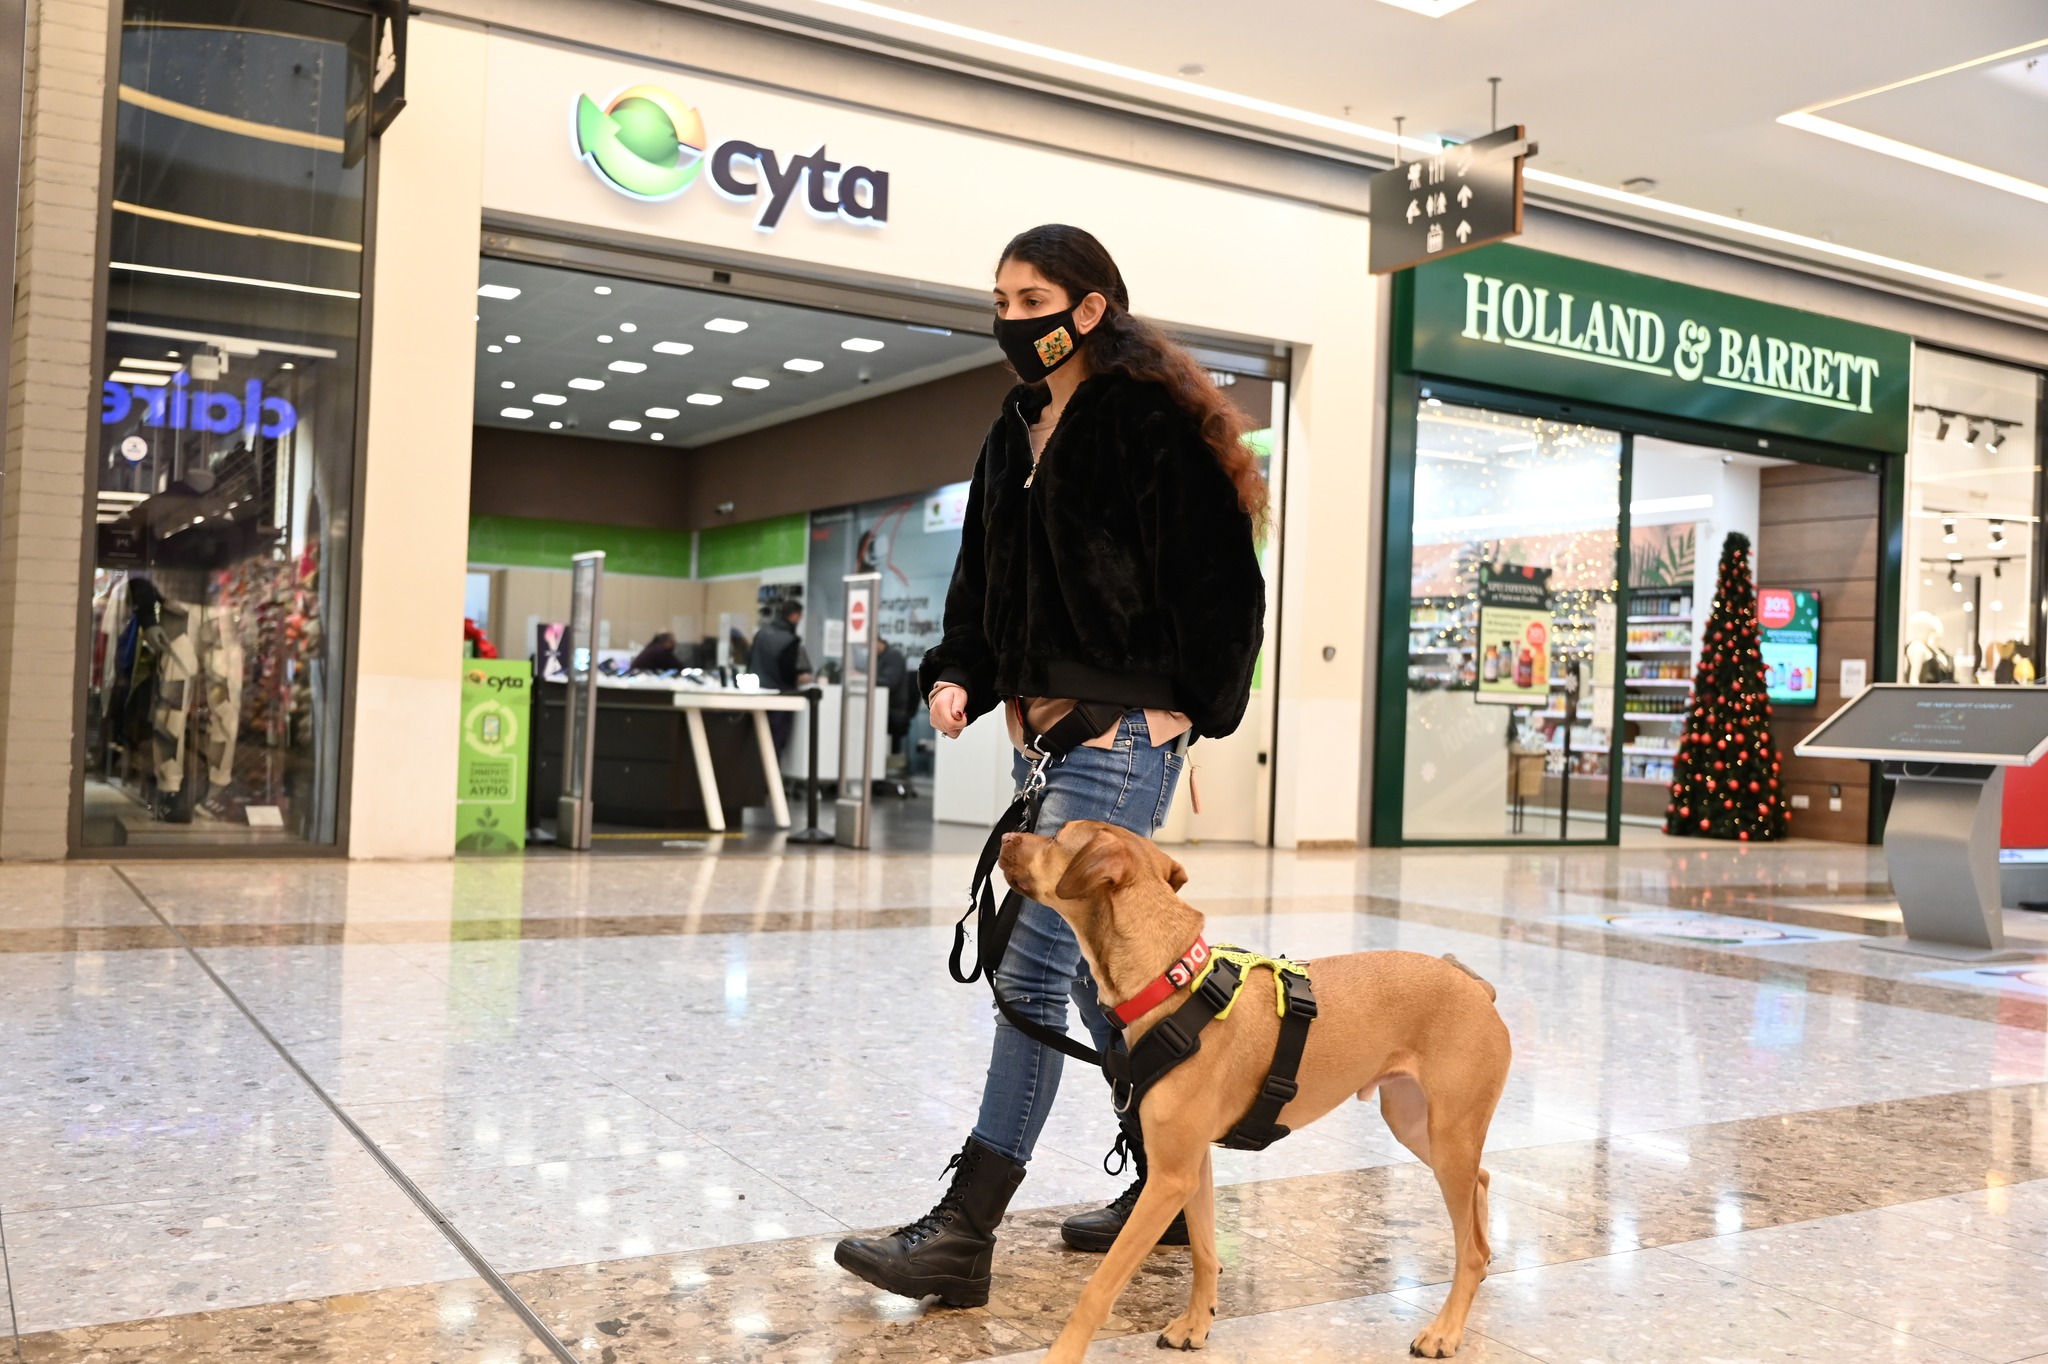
point(1130, 785)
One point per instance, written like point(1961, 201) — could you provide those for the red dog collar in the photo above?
point(1175, 977)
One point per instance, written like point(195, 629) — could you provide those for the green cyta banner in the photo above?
point(490, 800)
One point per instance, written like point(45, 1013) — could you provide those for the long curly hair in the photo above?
point(1126, 344)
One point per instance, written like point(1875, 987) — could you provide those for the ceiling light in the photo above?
point(804, 366)
point(287, 365)
point(549, 399)
point(1808, 122)
point(554, 426)
point(663, 414)
point(1948, 530)
point(1428, 9)
point(749, 381)
point(496, 291)
point(169, 366)
point(673, 348)
point(628, 327)
point(520, 412)
point(604, 340)
point(725, 324)
point(511, 340)
point(1997, 439)
point(624, 424)
point(705, 399)
point(654, 435)
point(1973, 433)
point(860, 343)
point(173, 354)
point(130, 376)
point(1969, 606)
point(1955, 556)
point(601, 289)
point(1348, 128)
point(626, 366)
point(1941, 425)
point(495, 350)
point(591, 385)
point(507, 383)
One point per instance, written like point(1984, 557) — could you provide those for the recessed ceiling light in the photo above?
point(173, 354)
point(495, 350)
point(511, 340)
point(507, 383)
point(496, 291)
point(170, 366)
point(287, 365)
point(520, 412)
point(628, 327)
point(706, 399)
point(624, 424)
point(136, 376)
point(654, 435)
point(549, 399)
point(725, 324)
point(554, 426)
point(602, 289)
point(592, 384)
point(749, 381)
point(663, 413)
point(627, 366)
point(860, 343)
point(673, 348)
point(604, 339)
point(804, 366)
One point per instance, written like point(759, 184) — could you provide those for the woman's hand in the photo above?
point(949, 709)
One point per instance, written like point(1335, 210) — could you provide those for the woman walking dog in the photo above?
point(1107, 562)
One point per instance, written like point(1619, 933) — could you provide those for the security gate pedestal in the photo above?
point(857, 704)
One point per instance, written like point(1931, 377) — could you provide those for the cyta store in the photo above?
point(1571, 445)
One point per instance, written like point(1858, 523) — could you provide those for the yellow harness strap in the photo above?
point(1247, 962)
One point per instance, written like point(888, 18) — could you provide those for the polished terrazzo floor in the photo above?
point(618, 1109)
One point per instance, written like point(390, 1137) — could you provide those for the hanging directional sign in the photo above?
point(1462, 197)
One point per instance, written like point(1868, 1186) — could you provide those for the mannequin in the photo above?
point(1926, 660)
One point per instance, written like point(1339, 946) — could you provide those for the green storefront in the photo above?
point(1590, 436)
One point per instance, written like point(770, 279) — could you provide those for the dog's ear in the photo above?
point(1104, 862)
point(1176, 874)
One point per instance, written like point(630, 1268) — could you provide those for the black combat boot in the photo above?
point(1097, 1230)
point(947, 1251)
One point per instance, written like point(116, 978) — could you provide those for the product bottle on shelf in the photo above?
point(1490, 670)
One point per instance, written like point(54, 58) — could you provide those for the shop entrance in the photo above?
point(736, 452)
point(1561, 572)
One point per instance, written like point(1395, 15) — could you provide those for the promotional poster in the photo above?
point(490, 801)
point(1789, 633)
point(1514, 635)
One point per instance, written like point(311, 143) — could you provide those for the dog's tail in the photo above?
point(1484, 983)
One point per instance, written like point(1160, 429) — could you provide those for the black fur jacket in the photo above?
point(1124, 573)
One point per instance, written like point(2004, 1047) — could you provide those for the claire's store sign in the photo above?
point(1568, 328)
point(649, 144)
point(177, 406)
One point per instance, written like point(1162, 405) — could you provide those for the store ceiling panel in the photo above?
point(620, 359)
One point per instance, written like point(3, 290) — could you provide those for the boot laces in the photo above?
point(1124, 1202)
point(1121, 1153)
point(941, 1214)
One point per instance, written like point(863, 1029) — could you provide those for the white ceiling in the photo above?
point(1685, 94)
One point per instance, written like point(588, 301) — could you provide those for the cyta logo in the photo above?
point(647, 142)
point(649, 145)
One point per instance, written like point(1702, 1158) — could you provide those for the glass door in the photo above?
point(1512, 628)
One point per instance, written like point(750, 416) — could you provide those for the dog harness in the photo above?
point(1132, 1072)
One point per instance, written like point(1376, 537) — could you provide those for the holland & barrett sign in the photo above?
point(1567, 328)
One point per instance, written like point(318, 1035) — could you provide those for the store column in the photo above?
point(415, 507)
point(50, 407)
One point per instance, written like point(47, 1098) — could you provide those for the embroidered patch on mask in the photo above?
point(1053, 348)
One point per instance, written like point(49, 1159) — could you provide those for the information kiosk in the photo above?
point(1946, 749)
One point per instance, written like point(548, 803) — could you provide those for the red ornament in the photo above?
point(1754, 786)
point(1744, 835)
point(1703, 824)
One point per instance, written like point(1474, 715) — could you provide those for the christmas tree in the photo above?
point(1725, 777)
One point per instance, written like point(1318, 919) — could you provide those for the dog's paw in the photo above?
point(1188, 1331)
point(1434, 1343)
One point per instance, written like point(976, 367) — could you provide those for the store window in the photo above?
point(226, 445)
point(1973, 544)
point(1511, 627)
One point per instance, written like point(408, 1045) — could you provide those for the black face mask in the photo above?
point(1036, 346)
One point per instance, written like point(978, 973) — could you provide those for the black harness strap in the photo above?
point(1260, 1127)
point(995, 923)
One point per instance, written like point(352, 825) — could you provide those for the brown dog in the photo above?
point(1420, 1030)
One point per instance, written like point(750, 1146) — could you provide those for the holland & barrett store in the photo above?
point(1570, 447)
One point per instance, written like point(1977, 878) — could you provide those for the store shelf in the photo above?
point(1656, 682)
point(1660, 620)
point(1660, 648)
point(1653, 715)
point(1581, 748)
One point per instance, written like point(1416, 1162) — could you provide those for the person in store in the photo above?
point(892, 670)
point(1108, 557)
point(658, 657)
point(778, 659)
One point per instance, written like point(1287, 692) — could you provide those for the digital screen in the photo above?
point(1788, 620)
point(1939, 723)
